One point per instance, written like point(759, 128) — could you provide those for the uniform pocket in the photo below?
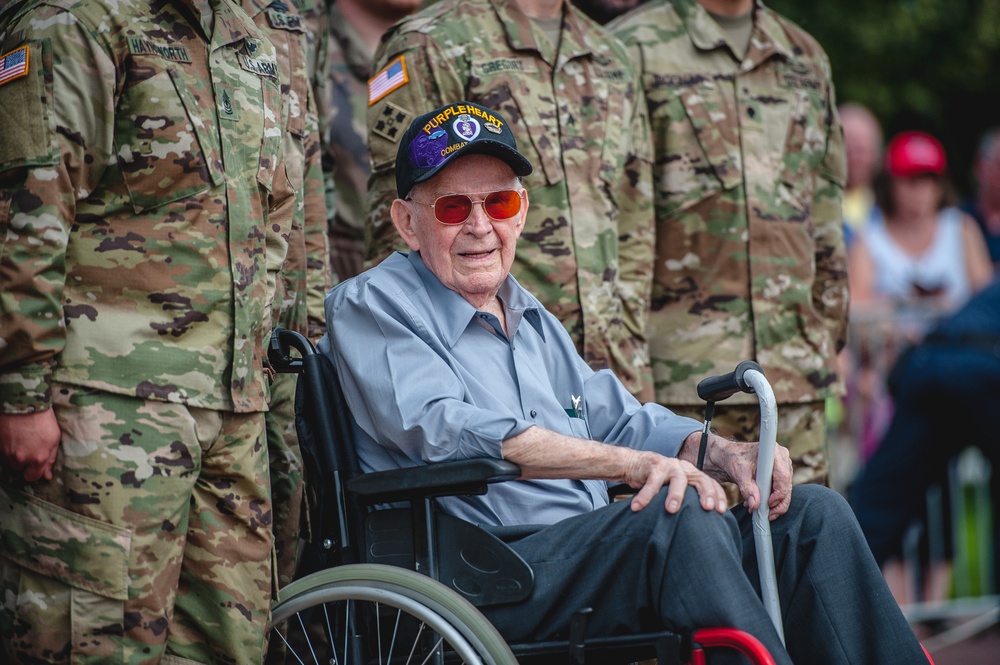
point(540, 150)
point(697, 152)
point(805, 147)
point(68, 574)
point(159, 142)
point(77, 551)
point(270, 146)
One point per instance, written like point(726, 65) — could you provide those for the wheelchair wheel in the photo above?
point(363, 614)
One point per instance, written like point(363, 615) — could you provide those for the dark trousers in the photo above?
point(947, 397)
point(651, 570)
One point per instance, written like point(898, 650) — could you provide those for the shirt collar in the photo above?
point(353, 47)
point(232, 25)
point(453, 313)
point(254, 7)
point(574, 41)
point(767, 38)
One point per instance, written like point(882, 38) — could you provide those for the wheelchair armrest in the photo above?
point(441, 479)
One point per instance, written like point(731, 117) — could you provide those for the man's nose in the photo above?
point(478, 223)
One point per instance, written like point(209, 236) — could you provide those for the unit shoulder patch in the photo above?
point(392, 122)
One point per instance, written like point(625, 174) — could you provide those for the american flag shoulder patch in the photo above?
point(14, 65)
point(391, 77)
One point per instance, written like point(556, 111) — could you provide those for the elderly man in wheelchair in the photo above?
point(442, 356)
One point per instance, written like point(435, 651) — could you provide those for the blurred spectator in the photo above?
point(863, 147)
point(985, 206)
point(922, 256)
point(922, 248)
point(603, 11)
point(946, 391)
point(356, 26)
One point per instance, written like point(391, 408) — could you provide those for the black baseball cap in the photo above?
point(463, 128)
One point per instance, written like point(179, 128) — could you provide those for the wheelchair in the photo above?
point(404, 585)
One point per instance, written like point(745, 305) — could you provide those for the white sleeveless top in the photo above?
point(938, 271)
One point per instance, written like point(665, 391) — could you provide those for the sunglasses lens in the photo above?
point(453, 209)
point(503, 205)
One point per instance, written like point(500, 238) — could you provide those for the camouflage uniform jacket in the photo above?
point(143, 203)
point(305, 274)
point(348, 67)
point(579, 117)
point(316, 20)
point(749, 174)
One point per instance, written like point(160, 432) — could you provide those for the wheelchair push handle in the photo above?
point(724, 386)
point(280, 347)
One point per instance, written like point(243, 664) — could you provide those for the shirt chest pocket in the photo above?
point(697, 149)
point(270, 146)
point(512, 87)
point(160, 141)
point(805, 148)
point(297, 136)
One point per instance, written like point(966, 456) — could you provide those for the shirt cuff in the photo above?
point(27, 390)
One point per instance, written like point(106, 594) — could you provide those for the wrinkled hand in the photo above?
point(736, 461)
point(29, 443)
point(648, 472)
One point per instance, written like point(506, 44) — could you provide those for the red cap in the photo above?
point(914, 153)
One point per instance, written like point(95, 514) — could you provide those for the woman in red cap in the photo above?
point(921, 248)
point(917, 262)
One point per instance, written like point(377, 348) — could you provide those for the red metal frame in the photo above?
point(732, 638)
point(743, 642)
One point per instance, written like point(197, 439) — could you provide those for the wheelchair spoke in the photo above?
point(339, 619)
point(305, 634)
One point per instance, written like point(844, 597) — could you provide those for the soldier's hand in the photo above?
point(29, 443)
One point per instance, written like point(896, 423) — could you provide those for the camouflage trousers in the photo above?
point(151, 544)
point(286, 475)
point(801, 429)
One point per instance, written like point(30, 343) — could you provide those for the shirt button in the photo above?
point(533, 413)
point(751, 112)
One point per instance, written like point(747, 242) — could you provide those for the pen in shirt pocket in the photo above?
point(576, 411)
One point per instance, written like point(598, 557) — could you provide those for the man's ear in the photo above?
point(523, 215)
point(404, 217)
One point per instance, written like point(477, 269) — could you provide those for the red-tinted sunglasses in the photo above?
point(456, 208)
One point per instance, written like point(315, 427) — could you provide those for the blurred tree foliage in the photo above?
point(917, 64)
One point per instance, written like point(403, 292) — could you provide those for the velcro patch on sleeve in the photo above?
point(26, 139)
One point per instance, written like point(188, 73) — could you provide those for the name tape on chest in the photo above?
point(141, 46)
point(258, 66)
point(280, 20)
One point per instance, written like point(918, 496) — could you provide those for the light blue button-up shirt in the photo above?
point(430, 378)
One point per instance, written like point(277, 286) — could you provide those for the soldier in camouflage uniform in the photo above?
point(750, 257)
point(574, 103)
point(355, 27)
point(305, 275)
point(145, 210)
